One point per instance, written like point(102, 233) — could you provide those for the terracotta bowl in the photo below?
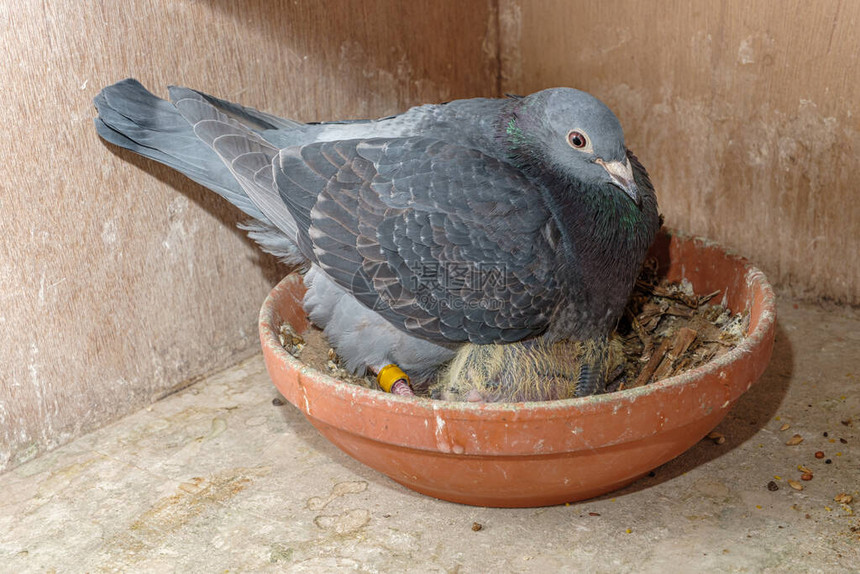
point(542, 453)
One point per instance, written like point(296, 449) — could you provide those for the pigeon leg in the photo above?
point(590, 381)
point(602, 363)
point(392, 379)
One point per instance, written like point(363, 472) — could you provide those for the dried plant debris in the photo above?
point(718, 438)
point(843, 498)
point(666, 329)
point(795, 440)
point(312, 349)
point(290, 340)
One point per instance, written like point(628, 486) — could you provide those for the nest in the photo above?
point(666, 329)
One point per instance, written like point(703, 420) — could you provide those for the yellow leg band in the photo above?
point(388, 375)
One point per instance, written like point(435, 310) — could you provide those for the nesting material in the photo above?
point(666, 329)
point(315, 351)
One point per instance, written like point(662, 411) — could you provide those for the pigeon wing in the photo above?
point(443, 241)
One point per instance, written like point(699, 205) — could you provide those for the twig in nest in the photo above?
point(652, 364)
point(680, 343)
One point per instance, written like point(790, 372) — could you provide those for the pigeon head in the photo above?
point(572, 135)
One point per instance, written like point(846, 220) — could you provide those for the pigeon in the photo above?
point(515, 221)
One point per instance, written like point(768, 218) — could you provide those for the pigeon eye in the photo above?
point(576, 139)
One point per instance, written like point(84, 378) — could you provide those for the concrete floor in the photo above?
point(219, 479)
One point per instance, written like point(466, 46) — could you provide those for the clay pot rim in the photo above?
point(424, 407)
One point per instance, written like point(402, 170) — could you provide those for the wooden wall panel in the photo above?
point(119, 279)
point(746, 114)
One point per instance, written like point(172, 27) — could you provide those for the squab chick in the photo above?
point(533, 370)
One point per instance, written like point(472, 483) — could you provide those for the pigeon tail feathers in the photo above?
point(133, 118)
point(213, 142)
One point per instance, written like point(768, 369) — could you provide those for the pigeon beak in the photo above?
point(621, 175)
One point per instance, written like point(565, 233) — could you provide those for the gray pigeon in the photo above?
point(475, 222)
